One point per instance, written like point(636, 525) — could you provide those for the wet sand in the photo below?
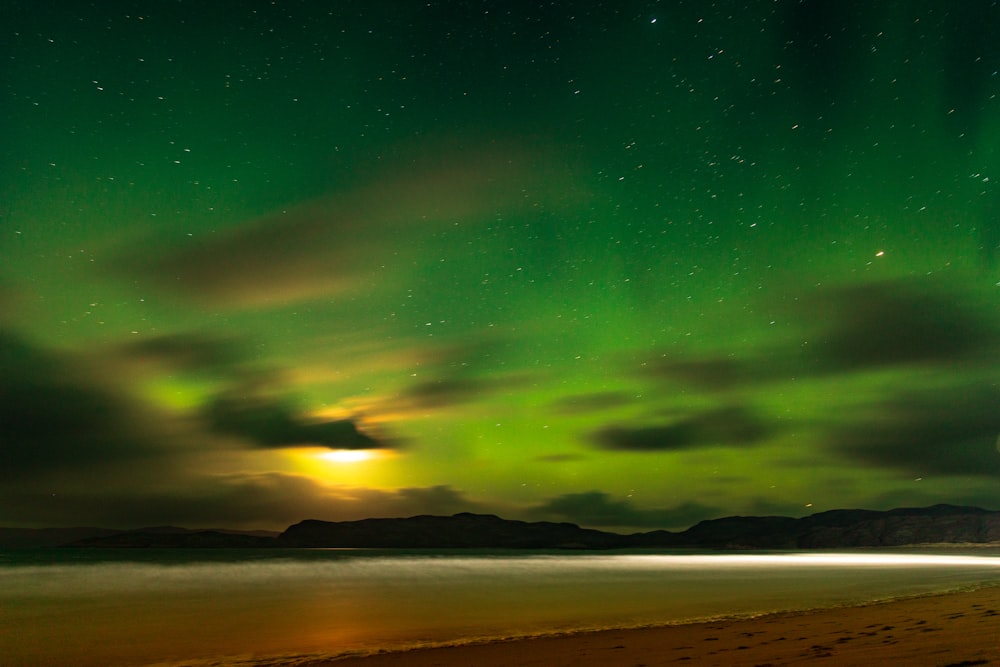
point(954, 629)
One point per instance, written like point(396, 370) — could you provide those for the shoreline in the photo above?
point(951, 629)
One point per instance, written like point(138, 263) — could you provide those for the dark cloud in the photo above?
point(598, 509)
point(252, 406)
point(268, 421)
point(449, 390)
point(187, 351)
point(723, 426)
point(560, 458)
point(263, 500)
point(54, 417)
point(267, 500)
point(884, 324)
point(594, 402)
point(63, 414)
point(444, 392)
point(710, 373)
point(954, 431)
point(847, 329)
point(724, 373)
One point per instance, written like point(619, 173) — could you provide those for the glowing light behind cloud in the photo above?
point(347, 455)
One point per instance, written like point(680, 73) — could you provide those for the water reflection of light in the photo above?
point(709, 561)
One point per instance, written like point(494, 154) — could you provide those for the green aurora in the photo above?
point(626, 264)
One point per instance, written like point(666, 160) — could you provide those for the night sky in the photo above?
point(626, 264)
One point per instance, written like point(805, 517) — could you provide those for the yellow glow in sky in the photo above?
point(347, 455)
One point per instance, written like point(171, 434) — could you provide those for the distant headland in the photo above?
point(938, 524)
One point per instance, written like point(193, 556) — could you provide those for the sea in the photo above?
point(231, 608)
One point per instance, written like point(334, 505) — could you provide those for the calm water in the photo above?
point(121, 607)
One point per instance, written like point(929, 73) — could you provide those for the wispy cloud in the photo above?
point(932, 433)
point(349, 242)
point(727, 426)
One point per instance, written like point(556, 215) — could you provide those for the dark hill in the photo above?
point(443, 532)
point(898, 527)
point(848, 528)
point(939, 524)
point(826, 530)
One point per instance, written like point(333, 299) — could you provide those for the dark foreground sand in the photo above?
point(956, 629)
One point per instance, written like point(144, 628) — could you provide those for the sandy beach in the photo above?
point(954, 629)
